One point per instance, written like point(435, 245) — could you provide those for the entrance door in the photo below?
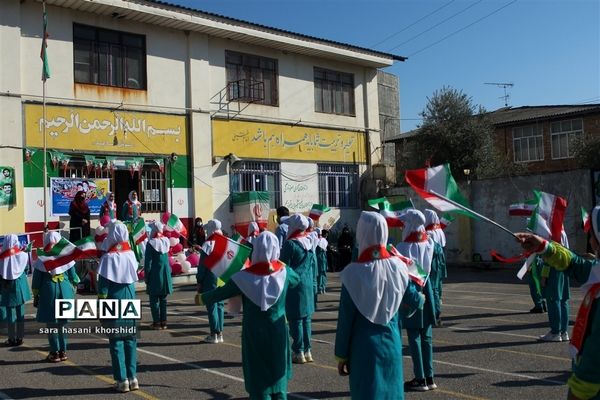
point(124, 184)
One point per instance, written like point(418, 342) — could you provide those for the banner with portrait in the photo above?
point(7, 187)
point(64, 190)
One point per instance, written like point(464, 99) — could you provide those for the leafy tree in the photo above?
point(586, 151)
point(457, 132)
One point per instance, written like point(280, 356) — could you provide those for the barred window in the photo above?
point(153, 189)
point(248, 176)
point(528, 143)
point(564, 134)
point(338, 185)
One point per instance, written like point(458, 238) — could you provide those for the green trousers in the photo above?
point(300, 331)
point(421, 351)
point(216, 315)
point(158, 307)
point(123, 353)
point(15, 319)
point(57, 341)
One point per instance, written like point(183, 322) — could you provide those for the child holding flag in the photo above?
point(157, 275)
point(584, 382)
point(368, 342)
point(207, 281)
point(117, 274)
point(47, 287)
point(438, 264)
point(300, 304)
point(263, 286)
point(14, 289)
point(417, 246)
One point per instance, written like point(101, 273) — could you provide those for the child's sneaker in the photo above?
point(308, 357)
point(134, 384)
point(564, 336)
point(213, 339)
point(551, 337)
point(63, 355)
point(418, 385)
point(298, 358)
point(430, 383)
point(53, 357)
point(122, 386)
point(220, 338)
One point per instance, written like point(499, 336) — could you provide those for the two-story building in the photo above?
point(182, 106)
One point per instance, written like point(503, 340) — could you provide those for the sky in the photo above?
point(548, 49)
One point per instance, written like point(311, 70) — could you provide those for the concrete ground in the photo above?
point(487, 349)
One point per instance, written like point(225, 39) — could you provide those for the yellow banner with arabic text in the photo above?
point(107, 131)
point(284, 142)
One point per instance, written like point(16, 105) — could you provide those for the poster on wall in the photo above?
point(7, 187)
point(64, 190)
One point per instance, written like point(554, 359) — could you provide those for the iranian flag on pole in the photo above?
point(249, 207)
point(86, 248)
point(587, 222)
point(415, 272)
point(428, 182)
point(548, 216)
point(138, 232)
point(524, 209)
point(391, 212)
point(173, 223)
point(57, 258)
point(317, 210)
point(224, 257)
point(445, 220)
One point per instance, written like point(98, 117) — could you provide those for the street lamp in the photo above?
point(467, 172)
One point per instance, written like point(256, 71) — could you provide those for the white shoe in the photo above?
point(551, 337)
point(122, 386)
point(220, 338)
point(213, 339)
point(308, 357)
point(134, 384)
point(298, 358)
point(564, 336)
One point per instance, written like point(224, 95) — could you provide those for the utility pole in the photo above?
point(504, 86)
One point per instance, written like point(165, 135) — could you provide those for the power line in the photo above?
point(436, 25)
point(413, 24)
point(463, 28)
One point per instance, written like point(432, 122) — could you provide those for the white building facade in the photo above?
point(182, 106)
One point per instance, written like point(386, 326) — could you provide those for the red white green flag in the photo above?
point(548, 216)
point(429, 183)
point(445, 220)
point(587, 221)
point(138, 232)
point(173, 223)
point(57, 257)
point(415, 271)
point(250, 207)
point(224, 257)
point(391, 212)
point(524, 209)
point(86, 248)
point(317, 210)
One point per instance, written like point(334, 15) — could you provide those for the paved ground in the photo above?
point(487, 349)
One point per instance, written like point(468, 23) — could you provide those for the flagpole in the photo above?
point(454, 203)
point(44, 122)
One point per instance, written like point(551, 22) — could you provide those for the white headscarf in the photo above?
point(253, 232)
point(51, 238)
point(213, 226)
point(130, 197)
point(118, 267)
point(376, 287)
point(594, 276)
point(299, 223)
point(12, 266)
point(322, 242)
point(262, 290)
point(432, 220)
point(157, 241)
point(420, 252)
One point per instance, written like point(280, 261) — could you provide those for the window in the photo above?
point(109, 58)
point(251, 78)
point(528, 143)
point(257, 176)
point(334, 92)
point(153, 189)
point(564, 134)
point(338, 185)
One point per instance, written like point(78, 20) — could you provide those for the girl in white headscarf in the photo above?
point(117, 275)
point(47, 287)
point(14, 288)
point(132, 208)
point(253, 231)
point(157, 275)
point(263, 286)
point(297, 252)
point(438, 262)
point(417, 246)
point(368, 342)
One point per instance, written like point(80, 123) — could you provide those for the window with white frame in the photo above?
point(528, 143)
point(338, 185)
point(334, 92)
point(564, 134)
point(260, 176)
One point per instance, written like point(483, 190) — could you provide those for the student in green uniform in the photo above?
point(157, 275)
point(438, 264)
point(132, 208)
point(48, 287)
point(265, 340)
point(117, 273)
point(14, 288)
point(368, 342)
point(300, 303)
point(420, 248)
point(584, 383)
point(322, 266)
point(207, 281)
